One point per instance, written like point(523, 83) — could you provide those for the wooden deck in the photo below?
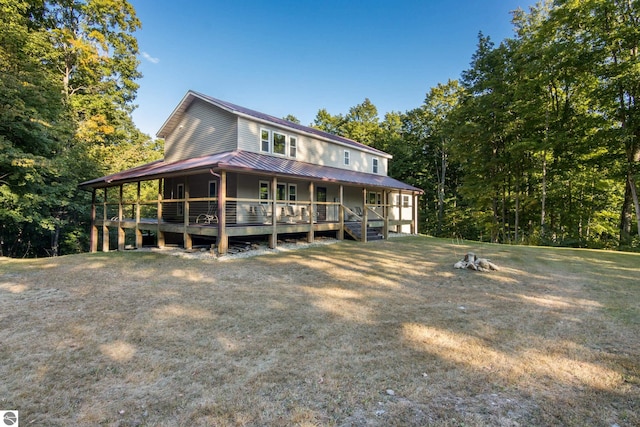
point(193, 229)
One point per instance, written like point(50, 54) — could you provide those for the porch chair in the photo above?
point(211, 217)
point(290, 214)
point(266, 215)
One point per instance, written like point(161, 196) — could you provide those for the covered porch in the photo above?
point(177, 206)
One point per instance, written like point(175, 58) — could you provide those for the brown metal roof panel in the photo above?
point(254, 162)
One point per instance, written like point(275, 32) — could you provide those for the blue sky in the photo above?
point(296, 57)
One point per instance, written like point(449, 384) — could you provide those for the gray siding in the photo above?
point(311, 150)
point(203, 130)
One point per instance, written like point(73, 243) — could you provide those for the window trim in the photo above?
point(262, 141)
point(284, 143)
point(346, 160)
point(375, 165)
point(212, 184)
point(295, 193)
point(267, 185)
point(293, 146)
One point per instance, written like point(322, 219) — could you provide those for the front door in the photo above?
point(321, 196)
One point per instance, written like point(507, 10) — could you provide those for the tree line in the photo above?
point(68, 71)
point(537, 142)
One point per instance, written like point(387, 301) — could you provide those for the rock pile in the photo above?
point(472, 262)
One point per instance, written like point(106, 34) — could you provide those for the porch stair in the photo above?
point(354, 230)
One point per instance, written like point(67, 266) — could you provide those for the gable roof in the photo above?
point(173, 120)
point(245, 161)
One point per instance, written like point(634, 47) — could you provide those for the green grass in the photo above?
point(318, 336)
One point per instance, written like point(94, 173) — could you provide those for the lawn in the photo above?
point(379, 334)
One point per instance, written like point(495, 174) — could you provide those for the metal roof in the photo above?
point(245, 161)
point(186, 101)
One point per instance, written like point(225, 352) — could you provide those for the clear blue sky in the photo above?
point(298, 56)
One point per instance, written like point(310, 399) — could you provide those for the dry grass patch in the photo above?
point(380, 334)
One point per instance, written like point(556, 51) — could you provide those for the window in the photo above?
point(265, 140)
point(293, 146)
point(180, 195)
point(375, 198)
point(375, 165)
point(293, 192)
point(276, 142)
point(279, 143)
point(264, 192)
point(281, 192)
point(213, 192)
point(347, 157)
point(405, 201)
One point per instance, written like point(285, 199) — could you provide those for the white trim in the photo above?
point(346, 159)
point(273, 143)
point(375, 165)
point(293, 145)
point(268, 186)
point(295, 193)
point(268, 140)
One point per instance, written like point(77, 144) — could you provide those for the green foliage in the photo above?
point(67, 80)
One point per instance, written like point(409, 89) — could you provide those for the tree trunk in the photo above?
point(441, 183)
point(543, 202)
point(634, 195)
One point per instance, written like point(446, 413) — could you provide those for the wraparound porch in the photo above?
point(224, 217)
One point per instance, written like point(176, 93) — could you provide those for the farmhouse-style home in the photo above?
point(231, 172)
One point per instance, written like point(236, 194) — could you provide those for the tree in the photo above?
point(68, 71)
point(328, 123)
point(361, 123)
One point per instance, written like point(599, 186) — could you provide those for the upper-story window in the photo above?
point(265, 140)
point(279, 143)
point(375, 165)
point(293, 146)
point(347, 157)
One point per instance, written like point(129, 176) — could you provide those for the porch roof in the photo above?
point(248, 162)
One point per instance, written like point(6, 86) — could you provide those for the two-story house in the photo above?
point(229, 171)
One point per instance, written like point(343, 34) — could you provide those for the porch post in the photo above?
point(121, 234)
point(159, 232)
point(385, 214)
point(93, 236)
point(188, 242)
point(414, 214)
point(273, 239)
point(341, 214)
point(400, 207)
point(137, 229)
point(223, 239)
point(105, 228)
point(311, 234)
point(365, 214)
